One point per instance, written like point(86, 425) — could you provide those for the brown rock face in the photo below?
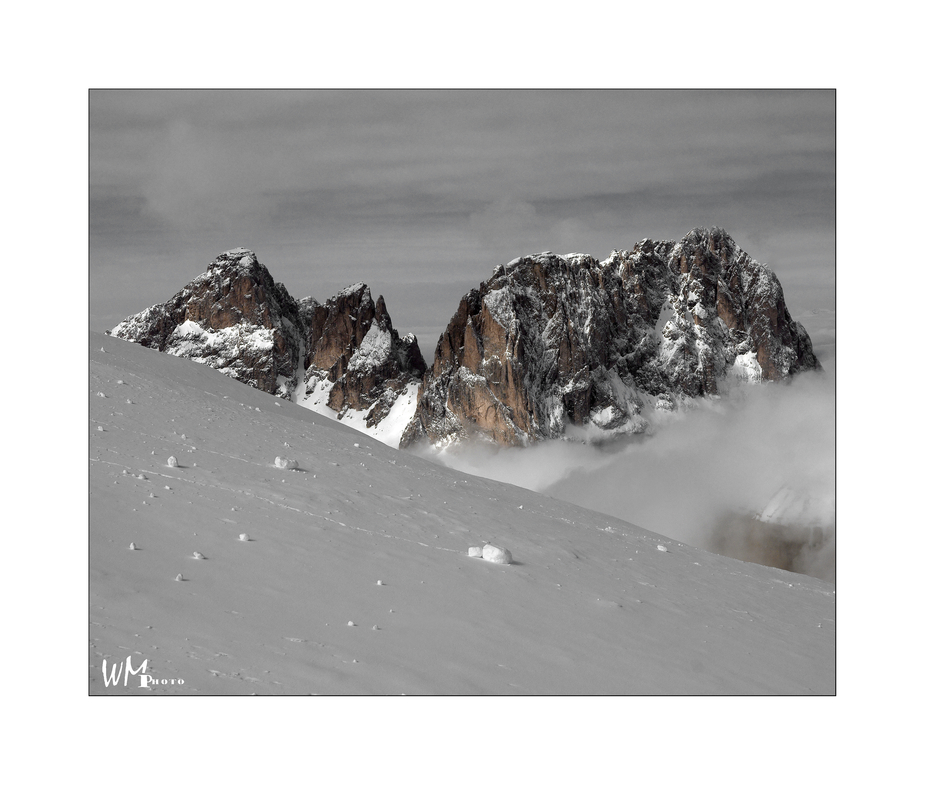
point(237, 319)
point(338, 328)
point(548, 342)
point(551, 341)
point(355, 346)
point(234, 317)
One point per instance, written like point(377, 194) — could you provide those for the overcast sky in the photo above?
point(421, 193)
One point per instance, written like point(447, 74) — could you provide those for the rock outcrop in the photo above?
point(355, 354)
point(553, 341)
point(795, 531)
point(237, 319)
point(547, 343)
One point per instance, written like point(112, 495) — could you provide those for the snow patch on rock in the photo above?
point(373, 352)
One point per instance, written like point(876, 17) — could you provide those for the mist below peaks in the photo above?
point(709, 476)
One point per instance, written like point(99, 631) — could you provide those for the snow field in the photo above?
point(384, 545)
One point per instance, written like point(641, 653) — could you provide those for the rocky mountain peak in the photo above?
point(552, 341)
point(237, 319)
point(712, 239)
point(234, 317)
point(355, 347)
point(338, 328)
point(244, 258)
point(547, 342)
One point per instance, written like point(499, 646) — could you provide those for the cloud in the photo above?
point(442, 185)
point(506, 223)
point(716, 463)
point(197, 184)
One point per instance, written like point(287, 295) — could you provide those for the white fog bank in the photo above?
point(704, 476)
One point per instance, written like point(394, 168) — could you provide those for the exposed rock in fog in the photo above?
point(551, 341)
point(546, 343)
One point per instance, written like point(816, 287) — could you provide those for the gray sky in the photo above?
point(422, 193)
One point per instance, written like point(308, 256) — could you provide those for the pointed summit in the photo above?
point(234, 317)
point(358, 352)
point(342, 355)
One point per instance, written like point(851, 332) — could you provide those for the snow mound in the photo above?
point(495, 554)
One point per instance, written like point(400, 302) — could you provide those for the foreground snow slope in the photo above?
point(591, 603)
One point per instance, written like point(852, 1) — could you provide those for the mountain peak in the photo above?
point(358, 288)
point(714, 239)
point(702, 232)
point(233, 317)
point(237, 253)
point(240, 257)
point(548, 342)
point(553, 341)
point(340, 355)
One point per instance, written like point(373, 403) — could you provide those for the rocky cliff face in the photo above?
point(237, 319)
point(234, 317)
point(552, 341)
point(547, 343)
point(354, 358)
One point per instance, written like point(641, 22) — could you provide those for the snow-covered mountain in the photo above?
point(354, 576)
point(550, 341)
point(342, 356)
point(547, 343)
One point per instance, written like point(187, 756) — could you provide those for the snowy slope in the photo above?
point(591, 604)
